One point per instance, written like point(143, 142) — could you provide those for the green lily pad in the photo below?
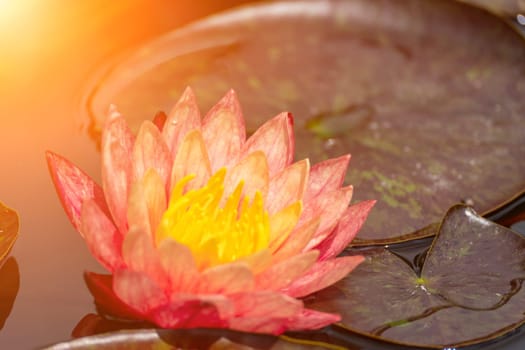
point(8, 229)
point(469, 289)
point(427, 96)
point(200, 339)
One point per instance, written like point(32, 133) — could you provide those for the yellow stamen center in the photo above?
point(217, 231)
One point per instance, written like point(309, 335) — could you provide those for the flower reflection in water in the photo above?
point(9, 285)
point(9, 274)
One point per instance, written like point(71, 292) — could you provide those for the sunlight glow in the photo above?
point(23, 41)
point(15, 15)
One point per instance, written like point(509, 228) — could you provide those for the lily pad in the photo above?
point(8, 229)
point(469, 290)
point(200, 339)
point(427, 96)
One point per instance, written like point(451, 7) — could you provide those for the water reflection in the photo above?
point(199, 339)
point(92, 324)
point(333, 338)
point(9, 285)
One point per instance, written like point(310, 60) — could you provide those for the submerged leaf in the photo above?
point(8, 229)
point(469, 289)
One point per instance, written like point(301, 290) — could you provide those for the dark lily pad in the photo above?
point(427, 96)
point(200, 339)
point(469, 290)
point(8, 229)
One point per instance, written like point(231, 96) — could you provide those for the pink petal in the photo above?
point(329, 206)
point(191, 158)
point(311, 319)
point(190, 313)
point(138, 291)
point(222, 303)
point(183, 118)
point(262, 325)
point(297, 240)
point(322, 275)
point(150, 152)
point(101, 236)
point(179, 265)
point(266, 303)
point(140, 255)
point(275, 138)
point(288, 186)
point(326, 176)
point(264, 312)
point(224, 131)
point(350, 223)
point(226, 279)
point(101, 287)
point(73, 187)
point(253, 170)
point(147, 202)
point(283, 273)
point(117, 145)
point(259, 261)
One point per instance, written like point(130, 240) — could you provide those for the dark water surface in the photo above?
point(50, 50)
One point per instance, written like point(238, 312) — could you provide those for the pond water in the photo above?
point(45, 75)
point(44, 72)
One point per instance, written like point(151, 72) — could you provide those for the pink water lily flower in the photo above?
point(201, 227)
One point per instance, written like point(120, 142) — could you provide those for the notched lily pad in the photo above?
point(8, 229)
point(199, 339)
point(469, 289)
